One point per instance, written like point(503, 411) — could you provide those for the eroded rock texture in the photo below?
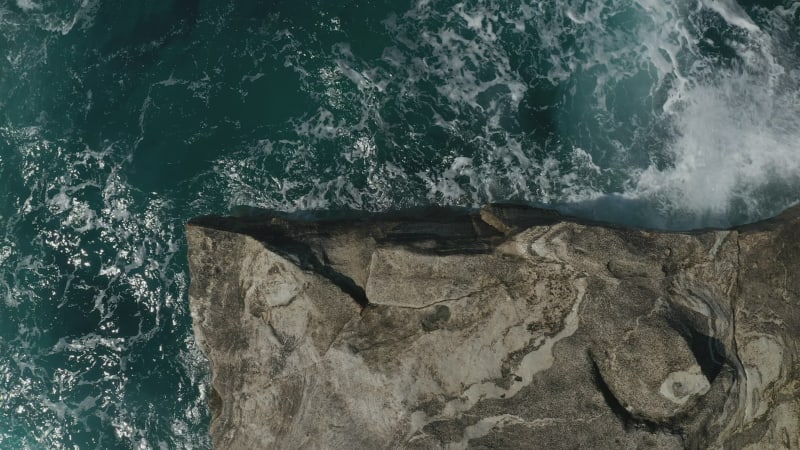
point(512, 328)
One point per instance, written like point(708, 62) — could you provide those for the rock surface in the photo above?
point(512, 328)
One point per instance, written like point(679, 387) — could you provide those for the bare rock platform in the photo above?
point(509, 327)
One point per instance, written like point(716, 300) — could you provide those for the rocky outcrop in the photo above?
point(511, 328)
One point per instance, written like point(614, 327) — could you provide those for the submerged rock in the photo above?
point(512, 328)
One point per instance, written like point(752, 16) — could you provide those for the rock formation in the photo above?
point(508, 328)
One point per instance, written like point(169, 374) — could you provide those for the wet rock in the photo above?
point(508, 328)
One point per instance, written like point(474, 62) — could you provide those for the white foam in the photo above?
point(713, 117)
point(58, 17)
point(732, 13)
point(736, 151)
point(734, 140)
point(101, 241)
point(28, 5)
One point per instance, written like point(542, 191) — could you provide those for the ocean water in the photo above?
point(120, 120)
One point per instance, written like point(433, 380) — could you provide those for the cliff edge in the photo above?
point(508, 328)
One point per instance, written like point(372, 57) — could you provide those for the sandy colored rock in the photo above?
point(508, 328)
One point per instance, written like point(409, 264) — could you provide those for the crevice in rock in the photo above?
point(709, 353)
point(611, 400)
point(276, 237)
point(343, 282)
point(304, 257)
point(625, 416)
point(338, 334)
point(444, 300)
point(215, 403)
point(740, 372)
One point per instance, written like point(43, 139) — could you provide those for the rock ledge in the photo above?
point(508, 328)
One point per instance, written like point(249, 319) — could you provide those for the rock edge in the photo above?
point(508, 328)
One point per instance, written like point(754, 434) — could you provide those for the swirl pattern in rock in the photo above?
point(512, 328)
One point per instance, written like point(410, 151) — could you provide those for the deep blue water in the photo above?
point(120, 120)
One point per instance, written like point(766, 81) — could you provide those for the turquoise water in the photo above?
point(120, 120)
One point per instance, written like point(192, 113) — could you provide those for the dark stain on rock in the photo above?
point(433, 320)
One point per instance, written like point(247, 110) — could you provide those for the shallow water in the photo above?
point(121, 120)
